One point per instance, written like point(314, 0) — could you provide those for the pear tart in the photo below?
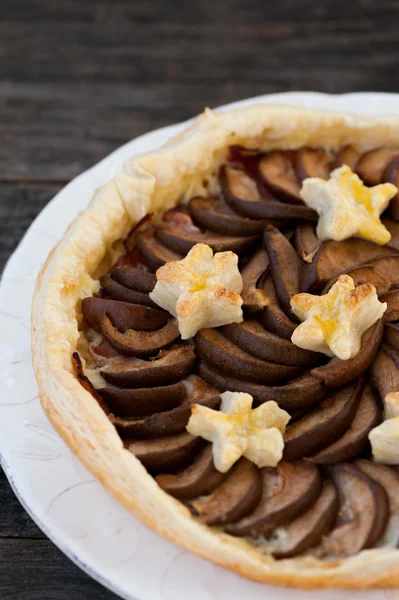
point(118, 378)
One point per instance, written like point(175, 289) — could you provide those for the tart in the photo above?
point(143, 398)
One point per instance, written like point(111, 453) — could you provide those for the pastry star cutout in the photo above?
point(202, 290)
point(335, 322)
point(347, 207)
point(238, 430)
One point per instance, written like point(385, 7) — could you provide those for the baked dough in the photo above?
point(185, 166)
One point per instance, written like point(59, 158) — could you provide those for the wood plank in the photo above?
point(37, 570)
point(14, 521)
point(31, 567)
point(88, 77)
point(19, 205)
point(79, 125)
point(228, 11)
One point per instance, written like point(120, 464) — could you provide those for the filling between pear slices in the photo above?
point(326, 496)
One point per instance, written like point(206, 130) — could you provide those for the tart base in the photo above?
point(154, 182)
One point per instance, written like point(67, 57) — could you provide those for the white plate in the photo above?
point(64, 499)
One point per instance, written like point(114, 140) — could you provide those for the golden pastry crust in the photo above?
point(154, 182)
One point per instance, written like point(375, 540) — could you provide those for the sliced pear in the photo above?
point(392, 312)
point(325, 424)
point(365, 273)
point(169, 366)
point(154, 253)
point(143, 224)
point(391, 175)
point(371, 165)
point(230, 359)
point(236, 183)
point(123, 315)
point(312, 163)
point(139, 343)
point(241, 193)
point(273, 210)
point(120, 292)
point(388, 478)
point(141, 402)
point(236, 497)
point(162, 455)
point(172, 421)
point(284, 266)
point(135, 279)
point(393, 228)
point(363, 514)
point(255, 299)
point(389, 267)
point(348, 156)
point(164, 423)
point(213, 214)
point(384, 372)
point(273, 318)
point(279, 176)
point(181, 240)
point(298, 394)
point(130, 259)
point(391, 335)
point(198, 479)
point(306, 242)
point(307, 530)
point(287, 491)
point(334, 258)
point(355, 439)
point(338, 372)
point(254, 339)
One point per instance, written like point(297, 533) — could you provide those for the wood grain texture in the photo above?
point(14, 521)
point(31, 567)
point(19, 205)
point(46, 574)
point(80, 78)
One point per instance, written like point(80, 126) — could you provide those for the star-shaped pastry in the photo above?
point(238, 430)
point(347, 207)
point(202, 290)
point(335, 322)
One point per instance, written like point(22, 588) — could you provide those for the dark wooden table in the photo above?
point(78, 78)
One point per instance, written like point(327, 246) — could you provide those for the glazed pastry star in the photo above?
point(202, 290)
point(347, 207)
point(238, 430)
point(335, 322)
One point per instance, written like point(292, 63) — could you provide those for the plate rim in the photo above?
point(169, 130)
